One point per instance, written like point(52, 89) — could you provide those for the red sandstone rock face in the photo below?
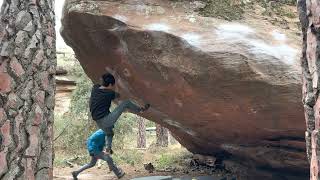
point(219, 87)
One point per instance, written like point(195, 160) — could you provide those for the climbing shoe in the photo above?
point(74, 175)
point(120, 173)
point(145, 107)
point(110, 168)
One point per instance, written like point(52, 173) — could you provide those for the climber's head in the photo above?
point(108, 80)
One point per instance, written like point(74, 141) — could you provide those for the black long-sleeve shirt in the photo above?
point(100, 101)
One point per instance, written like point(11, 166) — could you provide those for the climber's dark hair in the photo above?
point(108, 79)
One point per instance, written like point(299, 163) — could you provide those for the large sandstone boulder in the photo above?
point(226, 89)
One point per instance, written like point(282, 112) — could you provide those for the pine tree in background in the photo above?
point(162, 136)
point(141, 141)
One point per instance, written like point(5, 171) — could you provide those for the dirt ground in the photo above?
point(104, 174)
point(179, 168)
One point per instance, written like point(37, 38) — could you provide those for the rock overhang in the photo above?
point(224, 87)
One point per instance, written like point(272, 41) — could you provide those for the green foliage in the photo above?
point(61, 158)
point(282, 12)
point(72, 133)
point(81, 95)
point(150, 124)
point(224, 9)
point(278, 8)
point(129, 156)
point(168, 159)
point(124, 130)
point(234, 9)
point(58, 161)
point(75, 126)
point(165, 160)
point(67, 61)
point(289, 2)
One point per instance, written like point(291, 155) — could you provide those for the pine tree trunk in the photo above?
point(141, 142)
point(310, 22)
point(27, 89)
point(162, 136)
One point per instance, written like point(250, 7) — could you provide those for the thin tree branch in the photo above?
point(63, 130)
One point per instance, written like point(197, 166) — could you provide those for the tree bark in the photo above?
point(309, 14)
point(27, 89)
point(141, 142)
point(162, 136)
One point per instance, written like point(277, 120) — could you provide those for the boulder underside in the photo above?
point(218, 95)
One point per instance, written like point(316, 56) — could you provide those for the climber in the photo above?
point(100, 102)
point(95, 145)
